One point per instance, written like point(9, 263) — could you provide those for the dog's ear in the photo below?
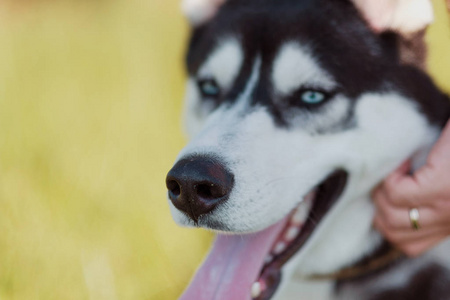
point(405, 17)
point(200, 11)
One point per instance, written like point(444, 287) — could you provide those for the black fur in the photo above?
point(360, 60)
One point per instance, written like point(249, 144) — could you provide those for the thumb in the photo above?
point(407, 188)
point(427, 181)
point(440, 154)
point(424, 183)
point(403, 170)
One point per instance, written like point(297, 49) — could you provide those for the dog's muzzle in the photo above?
point(198, 184)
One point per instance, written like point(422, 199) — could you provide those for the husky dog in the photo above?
point(297, 110)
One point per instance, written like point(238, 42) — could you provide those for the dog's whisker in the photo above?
point(275, 181)
point(294, 126)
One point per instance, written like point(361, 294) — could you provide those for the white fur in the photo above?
point(328, 118)
point(308, 290)
point(382, 123)
point(195, 111)
point(346, 234)
point(295, 67)
point(200, 11)
point(275, 167)
point(298, 161)
point(223, 64)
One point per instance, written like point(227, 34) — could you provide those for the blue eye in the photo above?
point(312, 97)
point(209, 88)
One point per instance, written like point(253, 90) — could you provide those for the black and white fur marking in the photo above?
point(263, 54)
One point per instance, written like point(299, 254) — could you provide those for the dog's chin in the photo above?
point(280, 241)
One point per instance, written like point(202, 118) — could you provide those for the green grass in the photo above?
point(90, 99)
point(438, 39)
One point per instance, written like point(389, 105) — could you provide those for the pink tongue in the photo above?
point(233, 265)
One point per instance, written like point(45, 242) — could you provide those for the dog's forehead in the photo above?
point(294, 66)
point(224, 62)
point(327, 32)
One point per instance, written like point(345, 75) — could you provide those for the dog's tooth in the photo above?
point(279, 247)
point(301, 213)
point(256, 289)
point(299, 216)
point(310, 196)
point(268, 259)
point(291, 233)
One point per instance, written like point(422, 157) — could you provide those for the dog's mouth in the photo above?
point(250, 266)
point(300, 225)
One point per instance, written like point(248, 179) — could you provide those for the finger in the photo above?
point(423, 185)
point(415, 241)
point(439, 153)
point(397, 219)
point(385, 200)
point(397, 186)
point(417, 248)
point(426, 183)
point(378, 193)
point(402, 170)
point(403, 237)
point(411, 190)
point(378, 13)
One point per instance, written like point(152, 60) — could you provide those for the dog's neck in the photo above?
point(350, 247)
point(346, 239)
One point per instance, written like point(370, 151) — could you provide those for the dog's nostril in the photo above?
point(198, 184)
point(209, 191)
point(174, 188)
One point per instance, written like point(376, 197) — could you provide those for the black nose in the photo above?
point(198, 184)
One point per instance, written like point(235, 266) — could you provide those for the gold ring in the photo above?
point(414, 217)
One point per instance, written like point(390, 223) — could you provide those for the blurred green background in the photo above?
point(90, 106)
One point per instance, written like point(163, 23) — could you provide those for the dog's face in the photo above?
point(284, 100)
point(296, 110)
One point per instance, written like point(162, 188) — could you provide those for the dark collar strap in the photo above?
point(360, 269)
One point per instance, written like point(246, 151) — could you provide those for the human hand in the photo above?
point(428, 190)
point(403, 16)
